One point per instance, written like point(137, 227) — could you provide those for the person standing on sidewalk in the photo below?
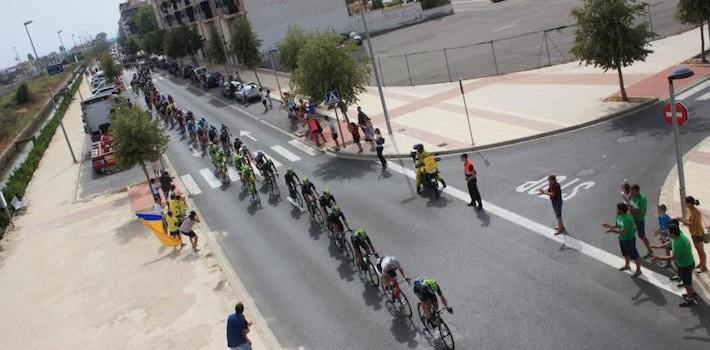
point(555, 193)
point(333, 127)
point(356, 135)
point(237, 329)
point(186, 229)
point(165, 182)
point(380, 147)
point(695, 226)
point(363, 122)
point(470, 173)
point(683, 257)
point(638, 205)
point(262, 94)
point(267, 96)
point(624, 227)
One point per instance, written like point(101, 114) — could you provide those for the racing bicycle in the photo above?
point(398, 300)
point(437, 326)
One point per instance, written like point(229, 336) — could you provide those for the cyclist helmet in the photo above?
point(306, 181)
point(419, 147)
point(326, 192)
point(361, 233)
point(259, 153)
point(289, 170)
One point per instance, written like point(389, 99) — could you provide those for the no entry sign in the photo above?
point(681, 113)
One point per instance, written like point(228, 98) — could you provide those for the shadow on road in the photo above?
point(404, 331)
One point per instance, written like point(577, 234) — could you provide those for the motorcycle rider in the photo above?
point(425, 164)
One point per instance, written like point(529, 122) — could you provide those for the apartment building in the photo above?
point(128, 9)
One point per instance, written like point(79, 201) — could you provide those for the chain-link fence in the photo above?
point(516, 53)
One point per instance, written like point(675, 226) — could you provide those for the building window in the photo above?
point(206, 9)
point(187, 2)
point(190, 12)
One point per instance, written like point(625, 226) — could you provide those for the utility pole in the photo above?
point(363, 6)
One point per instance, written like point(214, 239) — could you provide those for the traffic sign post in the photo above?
point(681, 113)
point(332, 98)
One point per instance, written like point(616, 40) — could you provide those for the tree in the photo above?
point(377, 4)
point(101, 36)
point(695, 12)
point(325, 64)
point(137, 137)
point(182, 41)
point(22, 95)
point(144, 21)
point(290, 47)
point(30, 57)
point(245, 44)
point(154, 42)
point(111, 69)
point(215, 47)
point(607, 35)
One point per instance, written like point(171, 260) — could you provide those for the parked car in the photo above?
point(248, 93)
point(99, 83)
point(187, 72)
point(352, 36)
point(214, 80)
point(112, 88)
point(199, 72)
point(230, 88)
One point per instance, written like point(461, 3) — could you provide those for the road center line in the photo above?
point(190, 185)
point(286, 153)
point(591, 251)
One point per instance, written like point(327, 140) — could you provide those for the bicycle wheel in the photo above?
point(372, 274)
point(445, 334)
point(348, 249)
point(317, 214)
point(405, 307)
point(299, 199)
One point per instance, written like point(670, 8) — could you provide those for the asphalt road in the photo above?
point(510, 288)
point(477, 21)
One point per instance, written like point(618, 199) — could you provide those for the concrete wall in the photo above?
point(271, 18)
point(392, 18)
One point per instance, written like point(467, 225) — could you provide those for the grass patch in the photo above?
point(13, 117)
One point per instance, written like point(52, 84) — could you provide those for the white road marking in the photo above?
point(286, 153)
point(503, 28)
point(303, 147)
point(190, 185)
point(693, 91)
point(276, 163)
point(233, 174)
point(243, 133)
point(212, 180)
point(704, 97)
point(593, 252)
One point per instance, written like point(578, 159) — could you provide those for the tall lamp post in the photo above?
point(363, 6)
point(59, 33)
point(677, 74)
point(46, 86)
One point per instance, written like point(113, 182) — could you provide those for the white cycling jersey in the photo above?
point(389, 263)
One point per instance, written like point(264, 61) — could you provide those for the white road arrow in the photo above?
point(247, 134)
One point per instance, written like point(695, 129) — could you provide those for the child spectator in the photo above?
point(662, 231)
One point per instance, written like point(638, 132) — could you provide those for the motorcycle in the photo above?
point(429, 177)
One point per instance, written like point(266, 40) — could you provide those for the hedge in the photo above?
point(17, 183)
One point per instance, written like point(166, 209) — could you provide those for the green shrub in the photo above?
point(22, 95)
point(17, 183)
point(377, 4)
point(430, 4)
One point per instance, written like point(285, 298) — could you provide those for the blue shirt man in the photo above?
point(237, 329)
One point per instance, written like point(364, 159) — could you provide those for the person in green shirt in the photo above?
point(684, 261)
point(638, 204)
point(624, 226)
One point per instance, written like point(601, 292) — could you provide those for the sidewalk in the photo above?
point(696, 164)
point(88, 275)
point(513, 106)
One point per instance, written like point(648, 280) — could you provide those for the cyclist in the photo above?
point(264, 164)
point(191, 130)
point(225, 136)
point(362, 243)
point(237, 144)
point(247, 175)
point(388, 266)
point(212, 150)
point(426, 290)
point(212, 133)
point(309, 192)
point(220, 162)
point(327, 201)
point(292, 180)
point(247, 155)
point(425, 163)
point(335, 221)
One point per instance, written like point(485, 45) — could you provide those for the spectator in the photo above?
point(157, 207)
point(625, 192)
point(237, 329)
point(683, 257)
point(268, 99)
point(555, 193)
point(165, 182)
point(380, 147)
point(356, 135)
point(186, 229)
point(155, 189)
point(262, 94)
point(365, 124)
point(333, 127)
point(172, 224)
point(472, 183)
point(315, 129)
point(638, 205)
point(624, 227)
point(662, 230)
point(695, 226)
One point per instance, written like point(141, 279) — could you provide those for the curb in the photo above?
point(262, 326)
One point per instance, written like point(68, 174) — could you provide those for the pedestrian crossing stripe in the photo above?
point(276, 163)
point(190, 185)
point(693, 91)
point(704, 97)
point(285, 153)
point(305, 148)
point(209, 177)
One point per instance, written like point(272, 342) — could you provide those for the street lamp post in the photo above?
point(59, 33)
point(677, 74)
point(363, 5)
point(46, 86)
point(276, 76)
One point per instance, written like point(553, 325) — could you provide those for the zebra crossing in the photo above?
point(688, 94)
point(212, 181)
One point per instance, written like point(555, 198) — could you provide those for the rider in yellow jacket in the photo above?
point(425, 162)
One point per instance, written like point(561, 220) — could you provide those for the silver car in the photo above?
point(248, 93)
